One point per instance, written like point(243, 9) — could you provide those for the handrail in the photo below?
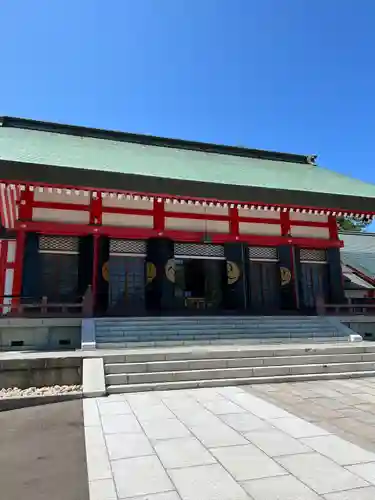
point(19, 306)
point(349, 309)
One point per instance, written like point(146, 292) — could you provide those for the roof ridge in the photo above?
point(150, 140)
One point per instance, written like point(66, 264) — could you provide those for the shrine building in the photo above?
point(155, 226)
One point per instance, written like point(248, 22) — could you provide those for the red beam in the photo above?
point(96, 206)
point(285, 223)
point(3, 266)
point(56, 205)
point(18, 265)
point(160, 209)
point(129, 211)
point(53, 228)
point(333, 229)
point(95, 267)
point(159, 216)
point(163, 195)
point(234, 224)
point(25, 208)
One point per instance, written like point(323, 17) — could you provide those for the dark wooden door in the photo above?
point(264, 287)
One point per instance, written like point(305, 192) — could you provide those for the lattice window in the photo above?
point(198, 250)
point(58, 244)
point(263, 253)
point(132, 247)
point(311, 255)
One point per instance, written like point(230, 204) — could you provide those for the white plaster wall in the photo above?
point(127, 220)
point(196, 225)
point(124, 203)
point(193, 209)
point(69, 216)
point(54, 197)
point(297, 216)
point(260, 214)
point(309, 232)
point(261, 229)
point(11, 252)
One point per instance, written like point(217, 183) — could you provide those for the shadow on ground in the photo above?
point(42, 453)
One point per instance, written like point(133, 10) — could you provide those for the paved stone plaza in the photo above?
point(343, 407)
point(224, 444)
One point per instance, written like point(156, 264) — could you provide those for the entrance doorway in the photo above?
point(313, 279)
point(265, 287)
point(200, 284)
point(126, 285)
point(314, 284)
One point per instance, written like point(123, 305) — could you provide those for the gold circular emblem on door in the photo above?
point(170, 270)
point(285, 276)
point(105, 271)
point(233, 272)
point(150, 271)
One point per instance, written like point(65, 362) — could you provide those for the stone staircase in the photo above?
point(218, 365)
point(158, 331)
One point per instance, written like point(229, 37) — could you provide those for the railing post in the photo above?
point(320, 306)
point(88, 303)
point(44, 305)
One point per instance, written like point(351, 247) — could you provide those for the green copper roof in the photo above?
point(28, 145)
point(359, 252)
point(63, 154)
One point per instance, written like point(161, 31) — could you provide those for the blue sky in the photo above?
point(287, 75)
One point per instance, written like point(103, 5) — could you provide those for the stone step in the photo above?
point(207, 319)
point(229, 373)
point(124, 388)
point(220, 363)
point(234, 351)
point(155, 336)
point(124, 330)
point(216, 342)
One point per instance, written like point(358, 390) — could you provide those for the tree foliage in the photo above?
point(351, 224)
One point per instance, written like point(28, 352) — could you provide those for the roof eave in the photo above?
point(94, 179)
point(149, 140)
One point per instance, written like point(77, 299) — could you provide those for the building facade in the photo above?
point(160, 226)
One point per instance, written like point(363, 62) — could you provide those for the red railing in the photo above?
point(349, 309)
point(18, 306)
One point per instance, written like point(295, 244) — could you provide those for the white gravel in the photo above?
point(56, 390)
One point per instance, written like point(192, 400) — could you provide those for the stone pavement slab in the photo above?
point(220, 444)
point(207, 482)
point(119, 424)
point(169, 495)
point(279, 488)
point(366, 471)
point(140, 476)
point(217, 434)
point(185, 452)
point(298, 428)
point(358, 494)
point(340, 451)
point(102, 489)
point(127, 446)
point(245, 422)
point(276, 443)
point(170, 428)
point(320, 474)
point(247, 462)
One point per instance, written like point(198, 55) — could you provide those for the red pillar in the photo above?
point(234, 224)
point(95, 267)
point(159, 216)
point(333, 229)
point(18, 266)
